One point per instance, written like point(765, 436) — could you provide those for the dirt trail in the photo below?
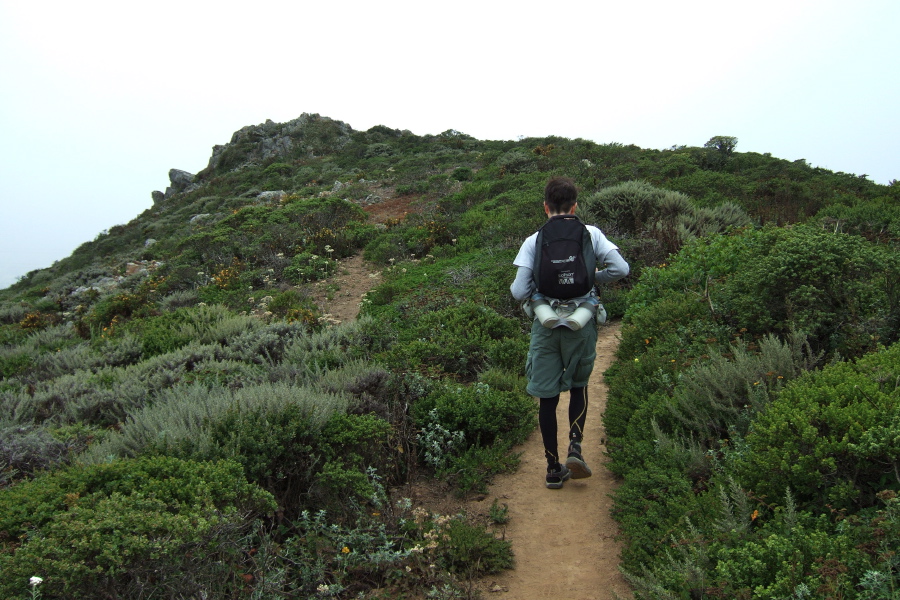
point(340, 296)
point(563, 540)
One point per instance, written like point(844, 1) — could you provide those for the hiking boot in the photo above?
point(575, 462)
point(556, 476)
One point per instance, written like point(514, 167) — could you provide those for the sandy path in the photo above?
point(340, 296)
point(563, 540)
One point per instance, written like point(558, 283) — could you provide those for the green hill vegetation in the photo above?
point(177, 418)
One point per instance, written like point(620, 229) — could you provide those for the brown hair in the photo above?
point(560, 195)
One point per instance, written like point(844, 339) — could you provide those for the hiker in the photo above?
point(556, 282)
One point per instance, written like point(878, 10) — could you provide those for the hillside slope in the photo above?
point(188, 367)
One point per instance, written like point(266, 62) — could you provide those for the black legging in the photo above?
point(578, 404)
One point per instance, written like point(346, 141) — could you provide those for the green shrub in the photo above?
point(875, 219)
point(118, 308)
point(657, 221)
point(122, 350)
point(13, 364)
point(649, 505)
point(719, 397)
point(838, 289)
point(484, 415)
point(25, 451)
point(100, 399)
point(517, 161)
point(307, 267)
point(259, 344)
point(410, 553)
point(181, 419)
point(302, 464)
point(472, 471)
point(467, 433)
point(179, 299)
point(832, 437)
point(507, 381)
point(278, 168)
point(385, 247)
point(462, 174)
point(161, 334)
point(474, 552)
point(630, 207)
point(742, 549)
point(307, 358)
point(128, 527)
point(276, 446)
point(462, 339)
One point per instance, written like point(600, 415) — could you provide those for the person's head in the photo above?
point(560, 196)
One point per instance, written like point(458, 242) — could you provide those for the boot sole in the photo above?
point(578, 468)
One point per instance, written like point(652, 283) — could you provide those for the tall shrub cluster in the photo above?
point(752, 418)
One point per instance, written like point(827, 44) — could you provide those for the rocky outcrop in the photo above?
point(180, 182)
point(197, 218)
point(271, 196)
point(307, 135)
point(141, 268)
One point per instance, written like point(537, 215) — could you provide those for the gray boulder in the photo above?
point(181, 181)
point(271, 196)
point(275, 146)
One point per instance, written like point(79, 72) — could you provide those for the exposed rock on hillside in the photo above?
point(307, 135)
point(181, 181)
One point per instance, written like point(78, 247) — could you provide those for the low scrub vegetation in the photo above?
point(752, 416)
point(182, 419)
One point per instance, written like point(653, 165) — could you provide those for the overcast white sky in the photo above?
point(100, 99)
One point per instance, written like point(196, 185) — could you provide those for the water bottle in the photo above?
point(543, 311)
point(583, 314)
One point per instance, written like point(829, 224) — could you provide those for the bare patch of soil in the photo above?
point(393, 209)
point(339, 297)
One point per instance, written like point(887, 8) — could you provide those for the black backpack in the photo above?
point(564, 261)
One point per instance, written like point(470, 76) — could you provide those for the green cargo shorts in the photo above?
point(559, 359)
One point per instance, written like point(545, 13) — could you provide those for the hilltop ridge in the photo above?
point(314, 155)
